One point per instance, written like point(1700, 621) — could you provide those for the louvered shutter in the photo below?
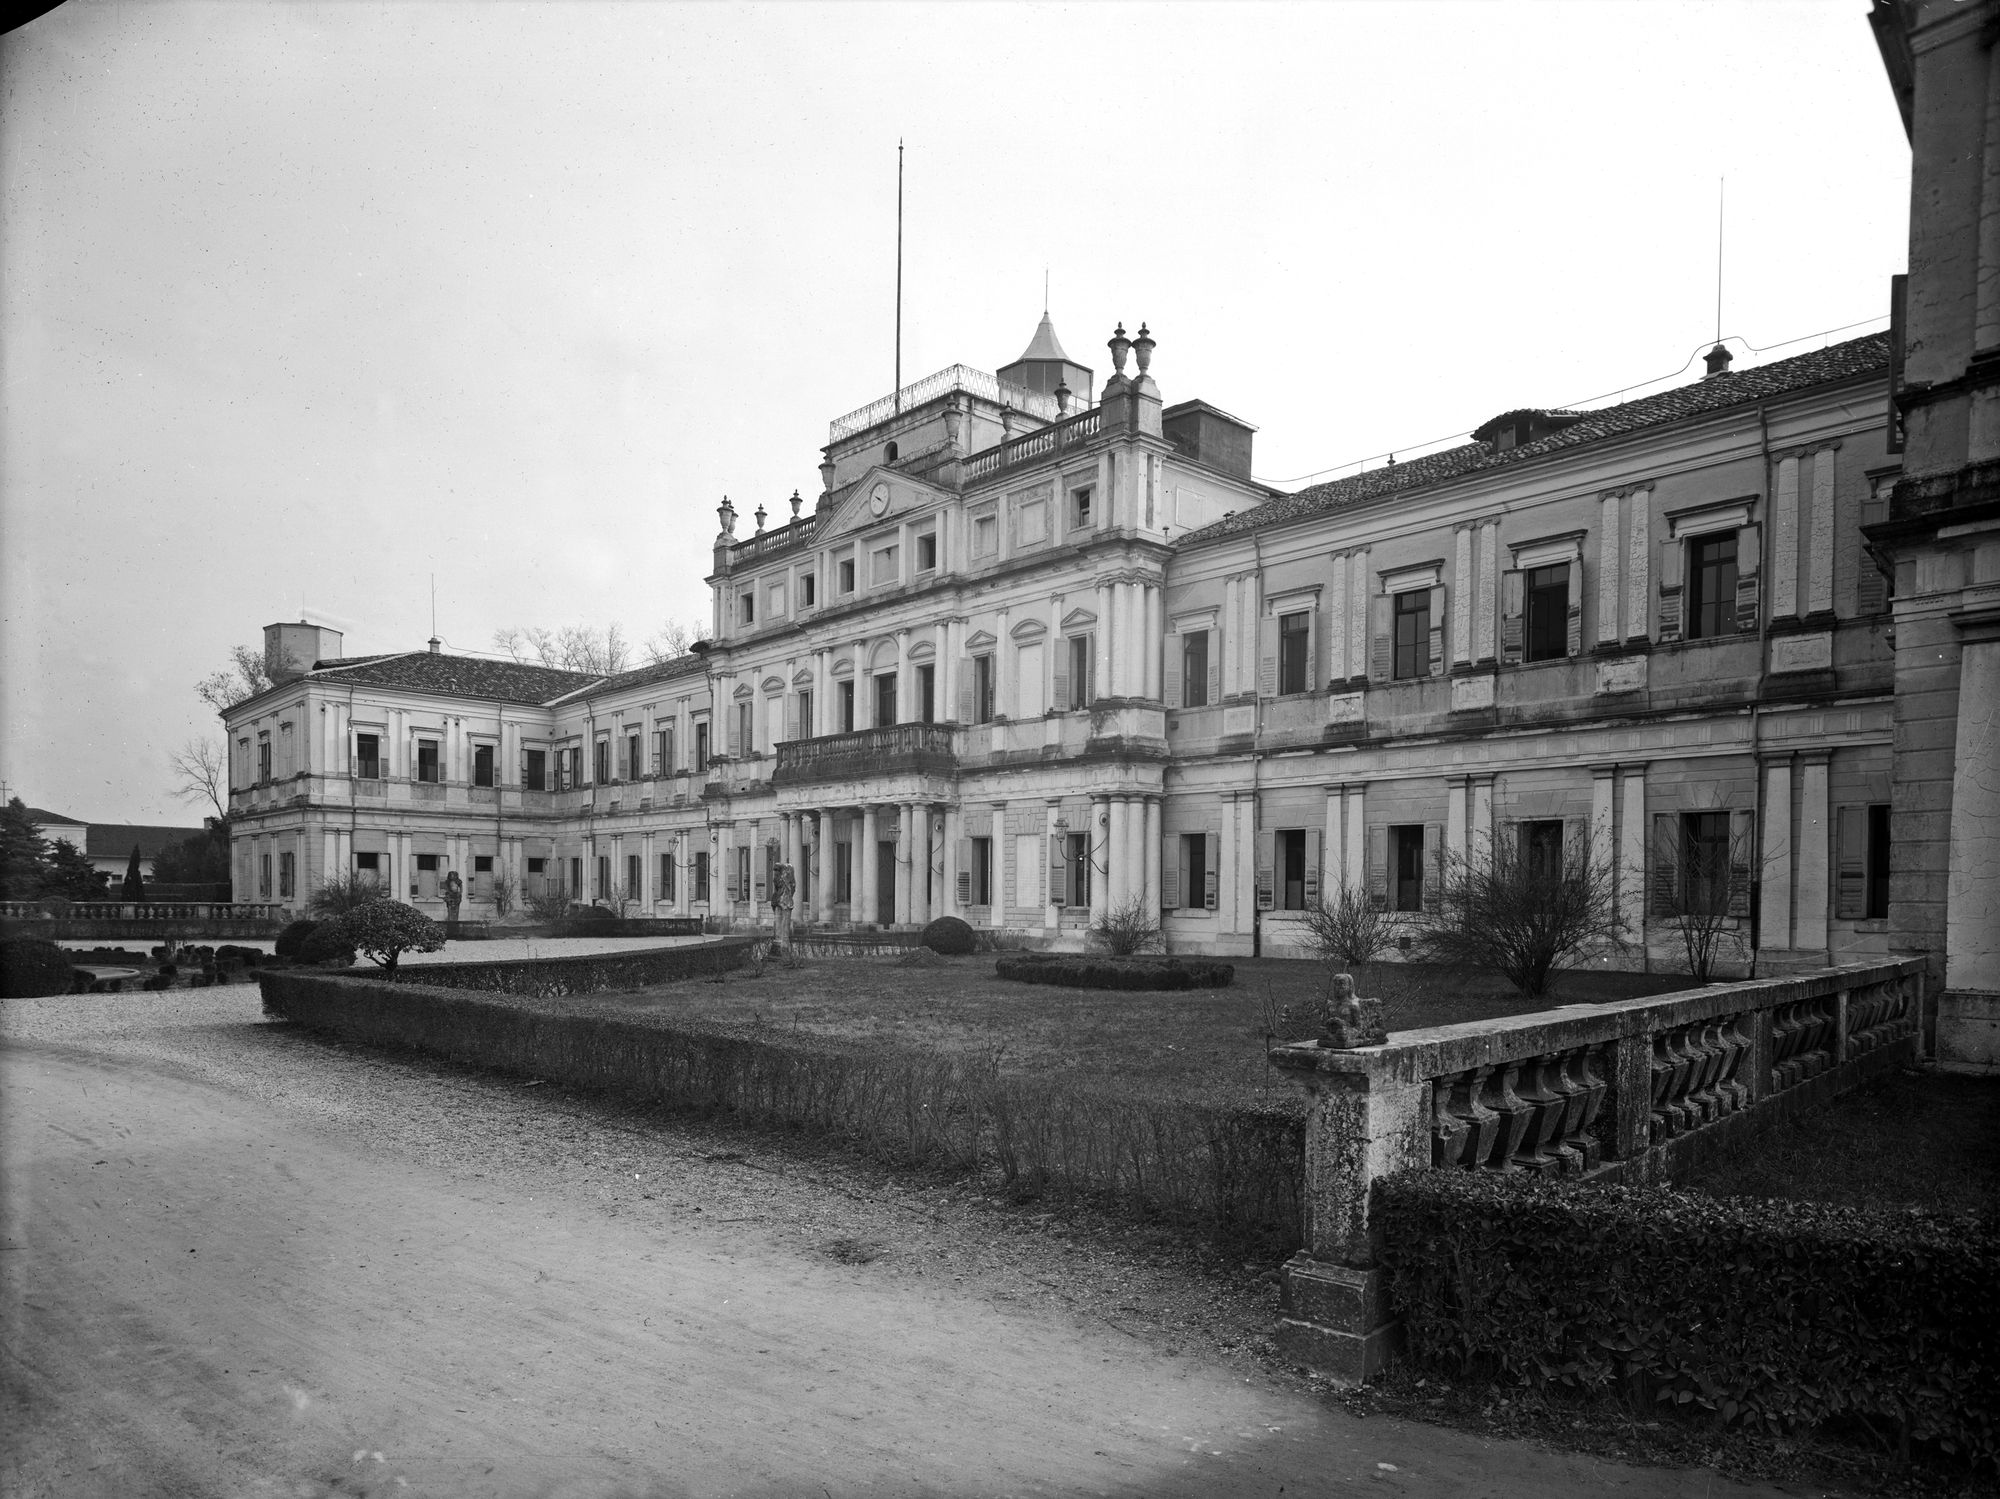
point(1510, 846)
point(1381, 638)
point(964, 871)
point(1851, 876)
point(761, 872)
point(1748, 560)
point(1058, 871)
point(1742, 856)
point(1211, 869)
point(1089, 670)
point(736, 734)
point(1573, 645)
point(1871, 595)
point(1315, 633)
point(1437, 631)
point(729, 874)
point(1672, 558)
point(1513, 606)
point(1267, 852)
point(1433, 864)
point(1173, 870)
point(1267, 656)
point(1378, 867)
point(1312, 867)
point(1667, 860)
point(1214, 653)
point(1171, 662)
point(965, 689)
point(1062, 652)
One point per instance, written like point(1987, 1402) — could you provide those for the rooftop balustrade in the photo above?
point(765, 543)
point(958, 377)
point(925, 748)
point(1051, 439)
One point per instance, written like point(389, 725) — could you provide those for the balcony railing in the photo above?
point(958, 377)
point(926, 748)
point(1051, 439)
point(764, 543)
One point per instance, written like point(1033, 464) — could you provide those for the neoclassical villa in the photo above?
point(1039, 652)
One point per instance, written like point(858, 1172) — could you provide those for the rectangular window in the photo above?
point(284, 876)
point(882, 567)
point(774, 601)
point(1291, 856)
point(601, 761)
point(1082, 664)
point(663, 752)
point(1711, 586)
point(1542, 848)
point(427, 760)
point(1878, 859)
point(982, 689)
point(264, 876)
point(927, 692)
point(1548, 612)
point(482, 863)
point(982, 871)
point(482, 765)
point(1705, 860)
point(846, 694)
point(985, 536)
point(743, 874)
point(807, 595)
point(1076, 869)
point(1194, 888)
point(744, 744)
point(367, 757)
point(602, 890)
point(1194, 669)
point(885, 698)
point(1079, 508)
point(264, 764)
point(701, 874)
point(843, 872)
point(701, 751)
point(1413, 637)
point(847, 575)
point(927, 552)
point(806, 727)
point(1294, 645)
point(1029, 685)
point(748, 609)
point(633, 877)
point(535, 770)
point(370, 865)
point(1406, 868)
point(666, 890)
point(538, 873)
point(635, 764)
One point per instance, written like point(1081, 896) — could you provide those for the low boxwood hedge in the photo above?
point(1086, 971)
point(1770, 1314)
point(31, 967)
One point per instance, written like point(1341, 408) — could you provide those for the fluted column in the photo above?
point(1100, 857)
point(1119, 856)
point(866, 908)
point(909, 835)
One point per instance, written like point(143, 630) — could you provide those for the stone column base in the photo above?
point(1968, 1031)
point(1336, 1320)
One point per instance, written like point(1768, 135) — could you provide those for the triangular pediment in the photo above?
point(1078, 619)
point(980, 640)
point(879, 499)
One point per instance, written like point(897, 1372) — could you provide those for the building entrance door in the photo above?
point(427, 876)
point(885, 884)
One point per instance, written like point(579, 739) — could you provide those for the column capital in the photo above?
point(1603, 772)
point(1810, 757)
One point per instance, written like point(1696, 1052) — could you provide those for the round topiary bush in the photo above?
point(31, 967)
point(326, 944)
point(290, 939)
point(949, 936)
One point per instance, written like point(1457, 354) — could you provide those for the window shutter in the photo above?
point(1672, 556)
point(760, 873)
point(1437, 631)
point(1312, 867)
point(1871, 595)
point(1433, 864)
point(1172, 675)
point(1742, 856)
point(1381, 638)
point(791, 715)
point(1058, 871)
point(1574, 645)
point(1173, 870)
point(1851, 879)
point(1267, 656)
point(1314, 634)
point(964, 871)
point(1666, 863)
point(965, 689)
point(1089, 670)
point(1062, 650)
point(1378, 867)
point(1214, 694)
point(729, 873)
point(1267, 858)
point(1513, 606)
point(1211, 869)
point(735, 734)
point(1748, 558)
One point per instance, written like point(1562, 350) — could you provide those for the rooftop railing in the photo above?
point(959, 377)
point(797, 533)
point(1051, 439)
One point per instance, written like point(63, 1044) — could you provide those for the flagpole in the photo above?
point(899, 278)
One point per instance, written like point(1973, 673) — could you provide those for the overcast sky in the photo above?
point(303, 303)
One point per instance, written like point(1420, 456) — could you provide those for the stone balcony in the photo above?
point(928, 750)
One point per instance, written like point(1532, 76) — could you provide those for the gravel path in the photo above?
point(242, 1259)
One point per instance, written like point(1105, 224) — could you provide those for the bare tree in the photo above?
point(1127, 929)
point(1701, 889)
point(201, 773)
point(503, 892)
point(670, 643)
point(250, 672)
point(1523, 916)
point(547, 903)
point(1345, 931)
point(571, 648)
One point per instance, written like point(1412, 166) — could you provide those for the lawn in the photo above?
point(1909, 1138)
point(1206, 1045)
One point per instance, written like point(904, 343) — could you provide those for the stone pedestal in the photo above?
point(1336, 1319)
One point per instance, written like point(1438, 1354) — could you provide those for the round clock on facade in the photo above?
point(878, 502)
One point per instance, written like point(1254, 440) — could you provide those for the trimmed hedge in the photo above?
point(31, 967)
point(1769, 1314)
point(1232, 1173)
point(290, 939)
point(1081, 971)
point(950, 936)
point(587, 973)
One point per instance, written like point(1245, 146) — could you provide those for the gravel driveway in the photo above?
point(237, 1259)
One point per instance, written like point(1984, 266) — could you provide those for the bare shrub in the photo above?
point(1127, 928)
point(1524, 920)
point(1708, 901)
point(549, 904)
point(344, 891)
point(503, 892)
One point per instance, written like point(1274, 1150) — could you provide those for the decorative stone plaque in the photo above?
point(1346, 707)
point(1802, 652)
point(1622, 674)
point(1468, 694)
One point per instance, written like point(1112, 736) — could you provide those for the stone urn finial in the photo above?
point(1119, 346)
point(796, 502)
point(726, 513)
point(1142, 350)
point(760, 517)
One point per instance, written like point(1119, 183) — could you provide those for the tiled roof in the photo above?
point(114, 840)
point(41, 817)
point(458, 676)
point(1857, 356)
point(658, 671)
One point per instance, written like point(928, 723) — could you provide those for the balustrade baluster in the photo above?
point(1449, 1131)
point(1514, 1116)
point(1547, 1107)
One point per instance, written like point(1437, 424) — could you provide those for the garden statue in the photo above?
point(454, 892)
point(1347, 1021)
point(784, 885)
